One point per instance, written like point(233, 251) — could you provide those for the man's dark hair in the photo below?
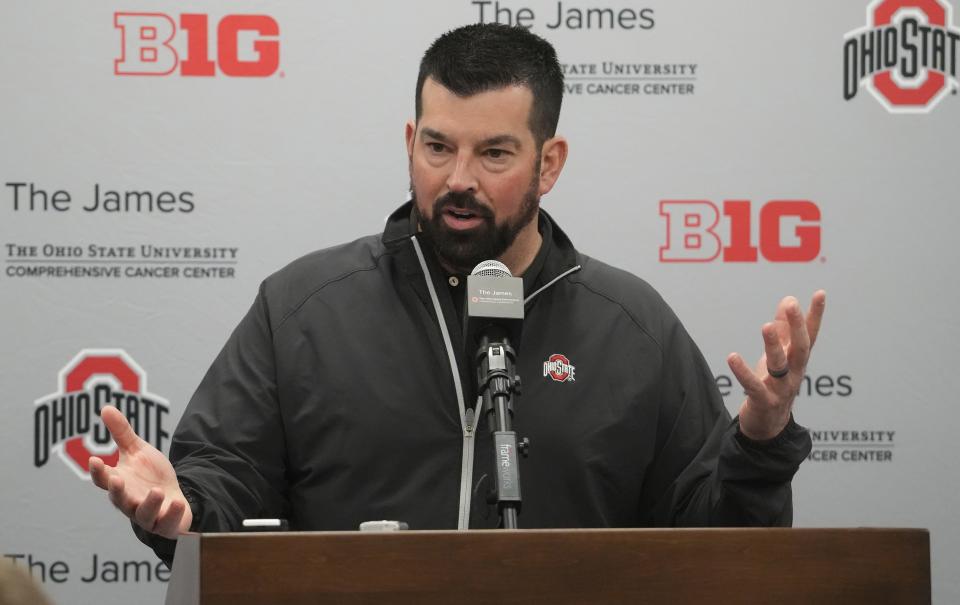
point(488, 56)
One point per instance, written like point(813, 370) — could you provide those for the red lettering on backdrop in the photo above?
point(147, 49)
point(694, 232)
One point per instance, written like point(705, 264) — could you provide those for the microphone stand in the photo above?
point(498, 383)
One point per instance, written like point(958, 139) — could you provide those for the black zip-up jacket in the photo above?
point(336, 401)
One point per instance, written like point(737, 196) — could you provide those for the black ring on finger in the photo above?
point(778, 373)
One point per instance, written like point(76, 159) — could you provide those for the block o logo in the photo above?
point(68, 422)
point(247, 45)
point(904, 56)
point(559, 368)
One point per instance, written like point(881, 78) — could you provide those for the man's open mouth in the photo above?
point(461, 218)
point(461, 214)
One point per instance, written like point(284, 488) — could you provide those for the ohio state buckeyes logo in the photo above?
point(906, 55)
point(68, 422)
point(559, 368)
point(698, 231)
point(246, 45)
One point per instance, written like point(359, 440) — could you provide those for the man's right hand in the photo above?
point(143, 485)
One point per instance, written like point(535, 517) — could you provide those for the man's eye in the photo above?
point(436, 147)
point(497, 154)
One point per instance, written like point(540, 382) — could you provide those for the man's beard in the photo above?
point(463, 250)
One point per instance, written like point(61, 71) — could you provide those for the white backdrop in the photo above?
point(246, 173)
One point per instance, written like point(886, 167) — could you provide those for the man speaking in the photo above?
point(344, 394)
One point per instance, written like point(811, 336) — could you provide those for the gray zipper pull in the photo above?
point(469, 416)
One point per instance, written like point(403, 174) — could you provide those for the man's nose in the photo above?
point(463, 177)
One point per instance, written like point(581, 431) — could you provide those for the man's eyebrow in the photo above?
point(501, 139)
point(434, 134)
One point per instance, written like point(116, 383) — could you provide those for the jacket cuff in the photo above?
point(790, 433)
point(165, 548)
point(196, 507)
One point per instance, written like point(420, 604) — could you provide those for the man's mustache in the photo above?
point(461, 200)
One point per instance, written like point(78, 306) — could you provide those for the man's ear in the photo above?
point(411, 135)
point(552, 158)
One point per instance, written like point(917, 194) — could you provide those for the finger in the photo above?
point(146, 513)
point(168, 524)
point(748, 380)
point(799, 350)
point(815, 314)
point(781, 318)
point(99, 472)
point(119, 497)
point(776, 357)
point(119, 428)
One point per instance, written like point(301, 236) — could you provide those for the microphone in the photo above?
point(494, 306)
point(493, 318)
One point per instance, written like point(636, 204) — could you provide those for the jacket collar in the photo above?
point(556, 256)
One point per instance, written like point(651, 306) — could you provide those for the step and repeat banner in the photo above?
point(159, 159)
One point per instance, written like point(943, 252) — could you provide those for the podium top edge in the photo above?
point(581, 531)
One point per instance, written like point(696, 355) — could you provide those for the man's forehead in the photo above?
point(488, 113)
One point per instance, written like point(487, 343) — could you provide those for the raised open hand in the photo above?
point(772, 386)
point(143, 485)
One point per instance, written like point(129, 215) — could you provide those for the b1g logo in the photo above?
point(789, 231)
point(247, 45)
point(906, 56)
point(68, 422)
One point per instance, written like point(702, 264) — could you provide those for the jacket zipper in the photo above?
point(466, 467)
point(466, 459)
point(467, 415)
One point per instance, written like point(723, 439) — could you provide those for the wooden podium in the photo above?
point(675, 566)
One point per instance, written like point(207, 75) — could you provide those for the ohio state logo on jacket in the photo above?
point(559, 368)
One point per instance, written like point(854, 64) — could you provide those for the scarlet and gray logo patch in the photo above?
point(68, 423)
point(906, 55)
point(559, 368)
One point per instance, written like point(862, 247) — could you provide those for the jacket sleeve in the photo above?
point(705, 472)
point(229, 447)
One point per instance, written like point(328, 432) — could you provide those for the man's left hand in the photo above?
point(773, 385)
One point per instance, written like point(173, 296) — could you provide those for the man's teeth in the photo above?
point(459, 214)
